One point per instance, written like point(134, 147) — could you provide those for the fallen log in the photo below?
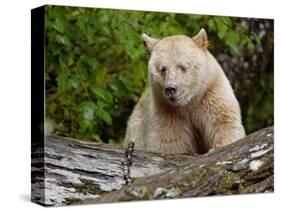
point(86, 172)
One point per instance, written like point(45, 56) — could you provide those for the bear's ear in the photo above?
point(201, 39)
point(148, 42)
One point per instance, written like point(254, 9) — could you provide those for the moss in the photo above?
point(71, 201)
point(90, 187)
point(141, 193)
point(146, 192)
point(228, 180)
point(230, 183)
point(191, 180)
point(128, 196)
point(85, 187)
point(229, 157)
point(227, 183)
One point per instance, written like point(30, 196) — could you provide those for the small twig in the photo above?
point(128, 162)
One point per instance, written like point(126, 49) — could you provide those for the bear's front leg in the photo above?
point(224, 134)
point(222, 124)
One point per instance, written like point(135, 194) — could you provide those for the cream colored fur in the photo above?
point(205, 114)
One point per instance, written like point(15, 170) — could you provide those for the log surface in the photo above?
point(87, 172)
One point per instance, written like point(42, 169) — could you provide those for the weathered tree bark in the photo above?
point(87, 172)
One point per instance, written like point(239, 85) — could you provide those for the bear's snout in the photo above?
point(170, 91)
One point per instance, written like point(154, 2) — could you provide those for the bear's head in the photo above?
point(177, 66)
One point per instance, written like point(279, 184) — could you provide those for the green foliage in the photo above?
point(96, 65)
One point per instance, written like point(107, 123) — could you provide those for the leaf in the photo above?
point(96, 137)
point(102, 114)
point(63, 40)
point(102, 94)
point(63, 81)
point(89, 111)
point(221, 27)
point(211, 25)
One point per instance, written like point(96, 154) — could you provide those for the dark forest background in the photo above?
point(96, 66)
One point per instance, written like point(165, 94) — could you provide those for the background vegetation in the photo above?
point(96, 65)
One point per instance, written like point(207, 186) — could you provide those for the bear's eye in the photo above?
point(183, 68)
point(163, 69)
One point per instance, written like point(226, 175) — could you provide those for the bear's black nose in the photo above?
point(170, 91)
